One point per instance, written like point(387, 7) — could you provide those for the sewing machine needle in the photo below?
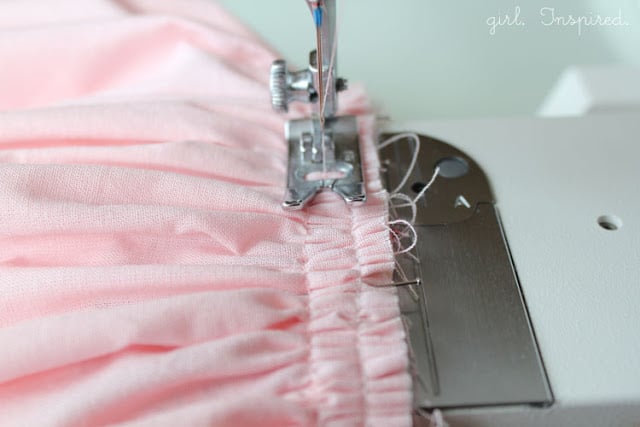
point(320, 63)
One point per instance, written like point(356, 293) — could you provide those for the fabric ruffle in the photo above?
point(358, 355)
point(148, 275)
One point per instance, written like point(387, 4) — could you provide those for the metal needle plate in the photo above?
point(471, 338)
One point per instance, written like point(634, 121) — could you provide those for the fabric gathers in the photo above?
point(148, 275)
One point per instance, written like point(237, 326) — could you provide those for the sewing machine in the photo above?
point(523, 295)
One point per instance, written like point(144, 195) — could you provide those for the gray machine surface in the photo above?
point(566, 190)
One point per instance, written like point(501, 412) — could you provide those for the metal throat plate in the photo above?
point(471, 338)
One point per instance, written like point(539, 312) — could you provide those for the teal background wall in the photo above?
point(425, 59)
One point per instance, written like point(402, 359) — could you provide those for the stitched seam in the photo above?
point(360, 284)
point(310, 362)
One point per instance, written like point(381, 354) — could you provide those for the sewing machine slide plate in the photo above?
point(470, 335)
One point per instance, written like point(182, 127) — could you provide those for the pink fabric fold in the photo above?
point(148, 275)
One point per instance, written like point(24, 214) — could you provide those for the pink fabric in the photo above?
point(148, 275)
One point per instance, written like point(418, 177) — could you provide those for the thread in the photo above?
point(330, 71)
point(414, 158)
point(396, 195)
point(426, 188)
point(404, 280)
point(409, 202)
point(414, 235)
point(323, 100)
point(398, 239)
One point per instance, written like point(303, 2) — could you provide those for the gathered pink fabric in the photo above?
point(148, 275)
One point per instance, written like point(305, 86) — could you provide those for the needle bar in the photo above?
point(317, 15)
